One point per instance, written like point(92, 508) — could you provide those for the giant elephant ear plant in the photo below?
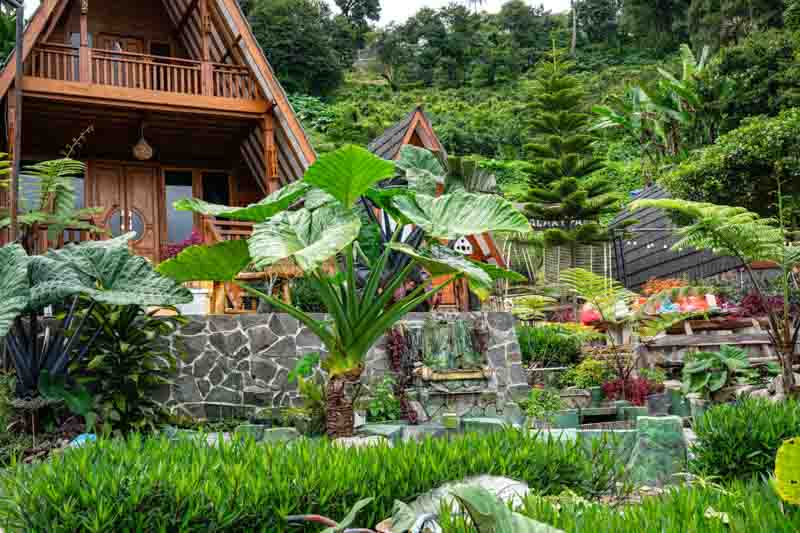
point(102, 272)
point(322, 236)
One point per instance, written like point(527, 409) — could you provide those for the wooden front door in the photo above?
point(129, 197)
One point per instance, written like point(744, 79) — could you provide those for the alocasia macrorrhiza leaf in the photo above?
point(348, 173)
point(14, 285)
point(276, 202)
point(422, 170)
point(107, 272)
point(219, 262)
point(309, 238)
point(439, 260)
point(456, 215)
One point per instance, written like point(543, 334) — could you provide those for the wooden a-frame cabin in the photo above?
point(189, 78)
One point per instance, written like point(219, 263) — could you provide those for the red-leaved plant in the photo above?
point(636, 390)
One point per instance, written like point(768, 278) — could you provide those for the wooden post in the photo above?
point(270, 154)
point(16, 139)
point(85, 54)
point(207, 70)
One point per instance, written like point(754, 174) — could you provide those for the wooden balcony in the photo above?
point(74, 73)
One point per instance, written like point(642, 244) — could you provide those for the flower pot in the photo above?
point(576, 398)
point(597, 396)
point(659, 404)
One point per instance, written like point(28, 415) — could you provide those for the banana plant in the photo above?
point(102, 272)
point(321, 238)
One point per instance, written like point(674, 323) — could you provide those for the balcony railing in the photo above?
point(141, 71)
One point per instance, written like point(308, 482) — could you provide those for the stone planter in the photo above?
point(659, 404)
point(698, 406)
point(564, 419)
point(597, 396)
point(576, 398)
point(679, 404)
point(567, 418)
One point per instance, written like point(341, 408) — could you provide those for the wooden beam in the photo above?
point(54, 21)
point(185, 17)
point(270, 154)
point(34, 30)
point(92, 94)
point(85, 53)
point(273, 89)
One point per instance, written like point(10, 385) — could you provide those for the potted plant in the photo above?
point(546, 409)
point(658, 400)
point(715, 375)
point(589, 375)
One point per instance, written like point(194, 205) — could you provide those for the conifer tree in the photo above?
point(558, 124)
point(562, 198)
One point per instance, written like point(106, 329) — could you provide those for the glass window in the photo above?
point(179, 223)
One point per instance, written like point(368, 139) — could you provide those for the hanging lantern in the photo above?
point(142, 150)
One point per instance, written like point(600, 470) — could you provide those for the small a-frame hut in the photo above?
point(416, 130)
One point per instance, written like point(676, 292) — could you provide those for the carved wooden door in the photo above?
point(129, 197)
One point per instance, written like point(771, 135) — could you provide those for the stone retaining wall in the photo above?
point(234, 366)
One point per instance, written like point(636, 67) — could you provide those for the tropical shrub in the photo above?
point(322, 239)
point(542, 404)
point(743, 166)
point(708, 372)
point(549, 345)
point(740, 440)
point(128, 361)
point(102, 272)
point(384, 405)
point(155, 484)
point(588, 373)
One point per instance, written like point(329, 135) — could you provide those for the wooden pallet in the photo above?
point(669, 350)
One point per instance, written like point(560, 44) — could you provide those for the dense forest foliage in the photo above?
point(698, 95)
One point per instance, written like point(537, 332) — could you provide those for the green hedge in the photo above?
point(157, 485)
point(740, 440)
point(549, 345)
point(747, 507)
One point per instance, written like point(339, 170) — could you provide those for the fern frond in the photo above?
point(601, 292)
point(725, 230)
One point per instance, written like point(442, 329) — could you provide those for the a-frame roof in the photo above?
point(230, 31)
point(388, 145)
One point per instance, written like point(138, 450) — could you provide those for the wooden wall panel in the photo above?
point(145, 19)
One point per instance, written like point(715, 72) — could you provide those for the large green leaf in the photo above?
point(490, 515)
point(308, 237)
point(347, 173)
point(455, 215)
point(220, 262)
point(14, 288)
point(258, 212)
point(421, 169)
point(439, 260)
point(108, 273)
point(348, 520)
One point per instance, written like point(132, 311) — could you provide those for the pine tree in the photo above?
point(558, 124)
point(570, 211)
point(563, 199)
